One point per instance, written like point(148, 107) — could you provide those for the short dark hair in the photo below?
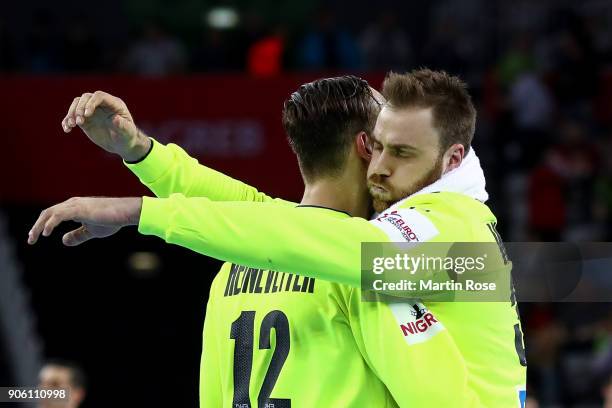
point(77, 375)
point(321, 119)
point(454, 115)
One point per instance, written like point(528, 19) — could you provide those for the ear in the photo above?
point(453, 157)
point(363, 146)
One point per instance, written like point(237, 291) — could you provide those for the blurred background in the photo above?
point(211, 76)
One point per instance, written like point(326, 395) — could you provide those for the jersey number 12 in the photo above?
point(242, 332)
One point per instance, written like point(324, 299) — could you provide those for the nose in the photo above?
point(379, 166)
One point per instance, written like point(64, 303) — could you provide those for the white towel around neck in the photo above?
point(466, 179)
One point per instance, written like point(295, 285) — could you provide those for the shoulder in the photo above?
point(435, 216)
point(406, 224)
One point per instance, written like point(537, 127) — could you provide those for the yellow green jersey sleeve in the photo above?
point(168, 169)
point(263, 235)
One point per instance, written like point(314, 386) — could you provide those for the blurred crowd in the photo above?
point(465, 37)
point(541, 74)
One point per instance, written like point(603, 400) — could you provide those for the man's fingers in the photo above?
point(96, 100)
point(84, 106)
point(80, 108)
point(52, 217)
point(53, 221)
point(68, 123)
point(77, 236)
point(38, 227)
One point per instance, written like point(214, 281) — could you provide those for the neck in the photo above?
point(335, 194)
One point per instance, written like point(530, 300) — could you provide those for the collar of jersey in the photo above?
point(338, 213)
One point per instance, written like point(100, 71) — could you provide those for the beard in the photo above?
point(383, 200)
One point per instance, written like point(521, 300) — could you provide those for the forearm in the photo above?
point(263, 235)
point(169, 169)
point(304, 240)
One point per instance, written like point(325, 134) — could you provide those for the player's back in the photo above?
point(488, 333)
point(276, 340)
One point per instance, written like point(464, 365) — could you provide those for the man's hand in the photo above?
point(106, 121)
point(100, 217)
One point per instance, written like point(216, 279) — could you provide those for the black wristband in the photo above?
point(145, 156)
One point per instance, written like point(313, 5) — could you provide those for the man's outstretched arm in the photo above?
point(316, 243)
point(107, 122)
point(263, 235)
point(168, 169)
point(259, 235)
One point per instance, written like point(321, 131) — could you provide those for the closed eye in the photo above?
point(398, 152)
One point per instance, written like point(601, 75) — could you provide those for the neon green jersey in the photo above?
point(331, 338)
point(329, 349)
point(313, 243)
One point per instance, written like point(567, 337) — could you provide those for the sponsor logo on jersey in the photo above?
point(416, 323)
point(406, 225)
